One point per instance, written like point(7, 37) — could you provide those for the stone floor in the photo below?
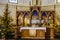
point(28, 39)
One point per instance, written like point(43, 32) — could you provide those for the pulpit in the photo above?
point(33, 32)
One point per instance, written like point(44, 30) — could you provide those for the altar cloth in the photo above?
point(33, 28)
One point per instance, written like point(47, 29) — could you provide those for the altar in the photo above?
point(33, 32)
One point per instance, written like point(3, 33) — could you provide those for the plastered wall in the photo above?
point(12, 8)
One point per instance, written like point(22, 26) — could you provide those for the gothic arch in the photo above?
point(35, 9)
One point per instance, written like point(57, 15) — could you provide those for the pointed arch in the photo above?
point(26, 19)
point(35, 13)
point(43, 14)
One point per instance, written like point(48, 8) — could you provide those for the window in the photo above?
point(13, 1)
point(58, 0)
point(44, 14)
point(35, 19)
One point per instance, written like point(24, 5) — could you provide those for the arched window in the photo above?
point(43, 14)
point(26, 14)
point(35, 14)
point(35, 18)
point(43, 19)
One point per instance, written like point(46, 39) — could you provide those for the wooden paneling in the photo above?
point(32, 33)
point(40, 33)
point(25, 33)
point(51, 33)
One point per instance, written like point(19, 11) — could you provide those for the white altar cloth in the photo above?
point(33, 28)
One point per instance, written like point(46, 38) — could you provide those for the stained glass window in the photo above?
point(35, 13)
point(44, 14)
point(26, 14)
point(35, 19)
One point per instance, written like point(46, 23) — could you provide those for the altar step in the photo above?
point(31, 39)
point(34, 39)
